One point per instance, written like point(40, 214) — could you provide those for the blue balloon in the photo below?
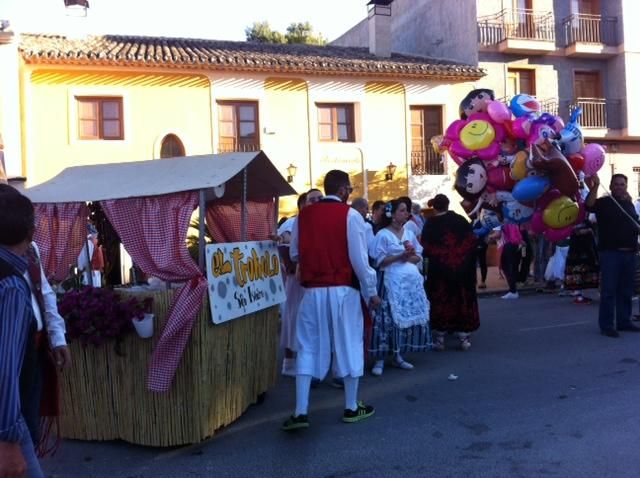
point(516, 213)
point(524, 104)
point(530, 188)
point(571, 139)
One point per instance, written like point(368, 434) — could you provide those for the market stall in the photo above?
point(192, 377)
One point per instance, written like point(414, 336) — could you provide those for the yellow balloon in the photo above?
point(560, 212)
point(477, 134)
point(519, 166)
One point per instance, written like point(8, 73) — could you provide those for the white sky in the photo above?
point(214, 19)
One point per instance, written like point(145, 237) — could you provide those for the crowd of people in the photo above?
point(600, 255)
point(377, 285)
point(370, 285)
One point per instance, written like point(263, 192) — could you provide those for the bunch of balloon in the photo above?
point(519, 164)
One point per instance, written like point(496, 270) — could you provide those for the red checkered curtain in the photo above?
point(61, 230)
point(154, 231)
point(224, 220)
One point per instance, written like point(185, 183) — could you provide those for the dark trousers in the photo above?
point(482, 259)
point(525, 263)
point(31, 406)
point(617, 270)
point(510, 262)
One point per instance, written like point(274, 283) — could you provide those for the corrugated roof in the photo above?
point(194, 53)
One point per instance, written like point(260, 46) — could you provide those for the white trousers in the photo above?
point(289, 310)
point(329, 330)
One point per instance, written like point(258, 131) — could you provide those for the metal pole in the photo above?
point(201, 242)
point(276, 213)
point(243, 207)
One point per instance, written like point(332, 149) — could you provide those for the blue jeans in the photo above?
point(617, 270)
point(26, 445)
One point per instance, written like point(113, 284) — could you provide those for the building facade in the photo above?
point(100, 99)
point(567, 53)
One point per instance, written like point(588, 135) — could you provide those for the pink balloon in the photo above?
point(498, 111)
point(593, 155)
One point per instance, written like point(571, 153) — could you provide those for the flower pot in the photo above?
point(144, 327)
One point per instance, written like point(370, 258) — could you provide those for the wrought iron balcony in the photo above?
point(518, 24)
point(242, 147)
point(427, 162)
point(597, 113)
point(582, 28)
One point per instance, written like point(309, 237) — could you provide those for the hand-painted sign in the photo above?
point(244, 277)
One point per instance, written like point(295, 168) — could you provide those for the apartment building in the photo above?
point(568, 53)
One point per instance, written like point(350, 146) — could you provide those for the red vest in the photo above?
point(323, 253)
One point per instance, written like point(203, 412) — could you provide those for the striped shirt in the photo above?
point(16, 316)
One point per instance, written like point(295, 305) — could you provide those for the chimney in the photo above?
point(380, 28)
point(75, 24)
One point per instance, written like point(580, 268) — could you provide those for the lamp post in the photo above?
point(291, 171)
point(391, 170)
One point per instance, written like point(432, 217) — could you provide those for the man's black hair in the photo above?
point(334, 180)
point(377, 204)
point(17, 217)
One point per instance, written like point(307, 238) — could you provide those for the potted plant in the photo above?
point(95, 315)
point(142, 318)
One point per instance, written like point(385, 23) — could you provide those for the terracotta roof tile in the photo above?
point(227, 55)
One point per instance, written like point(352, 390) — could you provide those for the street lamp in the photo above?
point(391, 170)
point(291, 171)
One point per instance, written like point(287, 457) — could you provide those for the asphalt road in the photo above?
point(541, 393)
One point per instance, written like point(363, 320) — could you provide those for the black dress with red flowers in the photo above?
point(450, 247)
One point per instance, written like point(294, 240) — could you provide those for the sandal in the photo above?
point(465, 343)
point(403, 364)
point(482, 286)
point(438, 344)
point(378, 368)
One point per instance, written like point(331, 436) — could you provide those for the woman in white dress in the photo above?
point(401, 323)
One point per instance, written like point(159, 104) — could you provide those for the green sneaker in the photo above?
point(295, 423)
point(361, 413)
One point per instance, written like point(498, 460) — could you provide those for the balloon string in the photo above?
point(608, 193)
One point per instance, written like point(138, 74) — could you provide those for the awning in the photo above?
point(162, 176)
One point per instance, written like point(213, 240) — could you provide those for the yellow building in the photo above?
point(120, 98)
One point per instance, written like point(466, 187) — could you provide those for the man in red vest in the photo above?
point(329, 243)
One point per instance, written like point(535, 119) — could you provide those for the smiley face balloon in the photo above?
point(560, 213)
point(477, 134)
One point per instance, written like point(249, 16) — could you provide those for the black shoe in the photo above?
point(361, 413)
point(629, 328)
point(295, 423)
point(610, 333)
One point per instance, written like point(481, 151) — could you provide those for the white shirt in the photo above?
point(55, 323)
point(411, 226)
point(370, 236)
point(357, 247)
point(287, 226)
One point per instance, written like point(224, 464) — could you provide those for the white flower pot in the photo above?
point(144, 327)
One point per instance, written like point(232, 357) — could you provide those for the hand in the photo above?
point(374, 302)
point(592, 182)
point(12, 463)
point(275, 238)
point(62, 357)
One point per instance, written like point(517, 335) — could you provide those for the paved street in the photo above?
point(541, 393)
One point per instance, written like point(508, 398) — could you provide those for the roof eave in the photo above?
point(443, 75)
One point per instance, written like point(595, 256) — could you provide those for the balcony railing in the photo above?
point(426, 162)
point(598, 113)
point(517, 24)
point(238, 147)
point(547, 105)
point(582, 28)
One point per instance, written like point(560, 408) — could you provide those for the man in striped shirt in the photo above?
point(17, 329)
